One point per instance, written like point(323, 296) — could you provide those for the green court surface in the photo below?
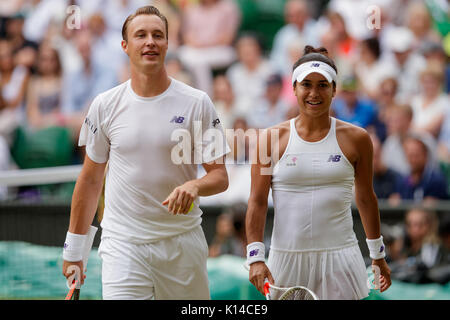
point(29, 271)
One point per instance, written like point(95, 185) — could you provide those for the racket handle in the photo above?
point(266, 289)
point(76, 294)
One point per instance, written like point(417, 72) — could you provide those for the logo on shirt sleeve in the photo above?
point(215, 122)
point(90, 125)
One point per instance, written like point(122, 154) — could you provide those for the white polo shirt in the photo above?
point(143, 139)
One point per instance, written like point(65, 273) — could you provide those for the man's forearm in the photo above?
point(84, 205)
point(214, 182)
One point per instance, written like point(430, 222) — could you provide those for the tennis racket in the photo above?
point(291, 293)
point(273, 292)
point(74, 292)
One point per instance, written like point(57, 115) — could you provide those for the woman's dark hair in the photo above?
point(315, 54)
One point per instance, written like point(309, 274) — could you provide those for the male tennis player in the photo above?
point(152, 244)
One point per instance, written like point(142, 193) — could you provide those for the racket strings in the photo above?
point(295, 293)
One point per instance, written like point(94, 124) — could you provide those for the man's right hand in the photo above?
point(73, 270)
point(259, 272)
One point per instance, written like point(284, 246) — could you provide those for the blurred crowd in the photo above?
point(393, 80)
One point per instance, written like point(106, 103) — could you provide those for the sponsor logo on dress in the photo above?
point(334, 158)
point(293, 162)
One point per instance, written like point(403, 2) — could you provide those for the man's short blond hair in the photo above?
point(149, 10)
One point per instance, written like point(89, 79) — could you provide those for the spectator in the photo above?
point(369, 68)
point(40, 15)
point(251, 68)
point(106, 43)
point(208, 31)
point(434, 53)
point(271, 109)
point(444, 139)
point(440, 272)
point(345, 43)
point(169, 10)
point(419, 249)
point(444, 234)
point(385, 96)
point(13, 83)
point(14, 34)
point(355, 13)
point(385, 179)
point(64, 42)
point(230, 232)
point(351, 107)
point(295, 50)
point(176, 70)
point(45, 90)
point(404, 62)
point(5, 158)
point(83, 85)
point(429, 105)
point(116, 11)
point(424, 183)
point(299, 27)
point(224, 101)
point(418, 20)
point(398, 123)
point(420, 243)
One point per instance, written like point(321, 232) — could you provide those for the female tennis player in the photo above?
point(314, 166)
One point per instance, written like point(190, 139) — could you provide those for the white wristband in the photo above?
point(376, 248)
point(255, 252)
point(73, 247)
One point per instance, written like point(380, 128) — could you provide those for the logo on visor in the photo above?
point(315, 65)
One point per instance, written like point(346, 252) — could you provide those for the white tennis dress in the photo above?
point(313, 242)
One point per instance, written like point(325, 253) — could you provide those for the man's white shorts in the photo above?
point(172, 268)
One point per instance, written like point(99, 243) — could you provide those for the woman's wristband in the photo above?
point(376, 248)
point(255, 252)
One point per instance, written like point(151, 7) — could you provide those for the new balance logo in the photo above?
point(334, 158)
point(177, 119)
point(315, 65)
point(254, 253)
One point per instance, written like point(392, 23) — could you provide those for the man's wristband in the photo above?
point(376, 248)
point(255, 252)
point(73, 247)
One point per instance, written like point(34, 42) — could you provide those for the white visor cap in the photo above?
point(314, 66)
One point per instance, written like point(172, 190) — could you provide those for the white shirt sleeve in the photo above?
point(93, 135)
point(214, 144)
